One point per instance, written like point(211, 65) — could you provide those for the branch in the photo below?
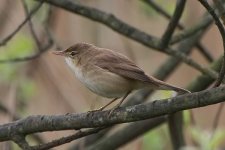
point(222, 33)
point(204, 23)
point(175, 120)
point(32, 12)
point(125, 29)
point(222, 70)
point(66, 139)
point(125, 135)
point(37, 42)
point(31, 57)
point(42, 123)
point(200, 83)
point(221, 9)
point(161, 11)
point(173, 23)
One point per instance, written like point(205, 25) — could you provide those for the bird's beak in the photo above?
point(62, 53)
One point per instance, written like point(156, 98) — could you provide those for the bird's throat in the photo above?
point(75, 68)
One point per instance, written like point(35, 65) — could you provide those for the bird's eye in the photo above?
point(73, 53)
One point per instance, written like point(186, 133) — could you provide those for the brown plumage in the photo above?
point(108, 73)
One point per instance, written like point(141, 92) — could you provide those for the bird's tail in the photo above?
point(166, 86)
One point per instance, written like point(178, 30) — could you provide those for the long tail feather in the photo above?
point(165, 86)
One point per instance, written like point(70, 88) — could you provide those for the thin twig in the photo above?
point(222, 70)
point(31, 57)
point(37, 42)
point(161, 11)
point(66, 139)
point(175, 120)
point(222, 33)
point(204, 23)
point(173, 23)
point(203, 50)
point(221, 8)
point(125, 135)
point(11, 35)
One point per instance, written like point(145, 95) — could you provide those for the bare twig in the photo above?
point(66, 139)
point(173, 23)
point(31, 57)
point(31, 25)
point(175, 120)
point(222, 70)
point(161, 11)
point(192, 30)
point(222, 32)
point(221, 8)
point(205, 52)
point(126, 134)
point(32, 12)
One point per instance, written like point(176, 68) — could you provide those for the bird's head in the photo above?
point(74, 51)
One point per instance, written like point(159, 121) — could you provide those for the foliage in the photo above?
point(19, 46)
point(204, 138)
point(156, 139)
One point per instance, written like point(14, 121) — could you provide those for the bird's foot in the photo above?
point(95, 110)
point(113, 110)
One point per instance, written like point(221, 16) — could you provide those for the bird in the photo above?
point(108, 73)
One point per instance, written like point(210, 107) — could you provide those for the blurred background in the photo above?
point(45, 85)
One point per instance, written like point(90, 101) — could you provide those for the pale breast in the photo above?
point(75, 69)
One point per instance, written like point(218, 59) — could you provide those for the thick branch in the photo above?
point(41, 123)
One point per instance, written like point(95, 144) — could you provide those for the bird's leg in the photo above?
point(118, 105)
point(102, 108)
point(125, 96)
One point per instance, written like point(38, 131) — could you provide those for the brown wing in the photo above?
point(121, 65)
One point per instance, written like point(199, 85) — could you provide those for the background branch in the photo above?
point(162, 12)
point(119, 26)
point(11, 35)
